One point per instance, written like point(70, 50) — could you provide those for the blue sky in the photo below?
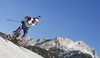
point(73, 19)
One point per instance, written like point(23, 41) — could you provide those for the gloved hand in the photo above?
point(22, 21)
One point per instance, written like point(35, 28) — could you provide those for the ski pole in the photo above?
point(19, 21)
point(12, 20)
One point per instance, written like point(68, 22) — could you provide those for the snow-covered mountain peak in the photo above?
point(81, 44)
point(65, 44)
point(68, 45)
point(62, 41)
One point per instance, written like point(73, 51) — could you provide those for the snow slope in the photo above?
point(10, 50)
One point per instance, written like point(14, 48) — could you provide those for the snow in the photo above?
point(10, 50)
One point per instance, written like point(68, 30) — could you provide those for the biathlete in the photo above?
point(26, 24)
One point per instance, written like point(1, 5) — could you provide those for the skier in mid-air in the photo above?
point(26, 24)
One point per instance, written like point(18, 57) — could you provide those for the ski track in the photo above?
point(10, 50)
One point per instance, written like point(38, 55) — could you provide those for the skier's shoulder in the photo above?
point(29, 18)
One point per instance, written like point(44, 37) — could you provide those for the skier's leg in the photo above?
point(10, 35)
point(25, 33)
point(16, 31)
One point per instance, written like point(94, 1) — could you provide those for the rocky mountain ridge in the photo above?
point(67, 46)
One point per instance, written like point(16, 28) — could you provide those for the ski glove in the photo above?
point(22, 22)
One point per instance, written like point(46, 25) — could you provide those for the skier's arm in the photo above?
point(26, 18)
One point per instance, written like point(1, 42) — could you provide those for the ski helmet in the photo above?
point(37, 19)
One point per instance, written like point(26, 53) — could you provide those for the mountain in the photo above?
point(10, 50)
point(44, 53)
point(63, 47)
